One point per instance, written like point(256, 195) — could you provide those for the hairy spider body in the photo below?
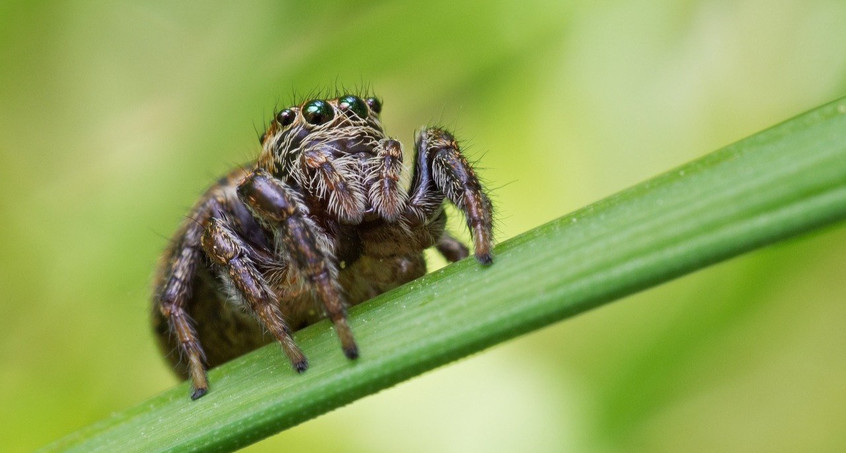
point(320, 222)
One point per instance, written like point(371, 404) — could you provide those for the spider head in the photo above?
point(347, 126)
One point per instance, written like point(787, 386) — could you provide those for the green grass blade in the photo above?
point(776, 184)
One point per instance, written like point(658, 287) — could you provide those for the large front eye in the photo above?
point(353, 104)
point(317, 112)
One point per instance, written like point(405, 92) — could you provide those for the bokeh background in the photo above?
point(114, 116)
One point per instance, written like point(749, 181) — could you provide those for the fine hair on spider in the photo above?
point(320, 221)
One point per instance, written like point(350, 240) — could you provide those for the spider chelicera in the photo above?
point(319, 222)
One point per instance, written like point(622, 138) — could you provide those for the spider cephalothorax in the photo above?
point(321, 221)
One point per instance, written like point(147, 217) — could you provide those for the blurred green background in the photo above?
point(115, 116)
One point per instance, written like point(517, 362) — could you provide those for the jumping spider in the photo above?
point(320, 219)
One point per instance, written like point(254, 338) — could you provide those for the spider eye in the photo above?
point(318, 112)
point(375, 104)
point(286, 117)
point(353, 104)
point(262, 138)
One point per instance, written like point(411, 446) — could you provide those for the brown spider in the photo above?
point(320, 219)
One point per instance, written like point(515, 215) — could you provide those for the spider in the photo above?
point(320, 219)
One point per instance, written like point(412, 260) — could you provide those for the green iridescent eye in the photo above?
point(317, 112)
point(375, 104)
point(353, 104)
point(286, 117)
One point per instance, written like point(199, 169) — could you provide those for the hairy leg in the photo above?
point(440, 170)
point(451, 248)
point(334, 179)
point(383, 173)
point(236, 261)
point(174, 290)
point(307, 253)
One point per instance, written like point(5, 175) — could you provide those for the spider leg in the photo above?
point(307, 251)
point(174, 291)
point(440, 170)
point(451, 248)
point(383, 173)
point(345, 195)
point(231, 254)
